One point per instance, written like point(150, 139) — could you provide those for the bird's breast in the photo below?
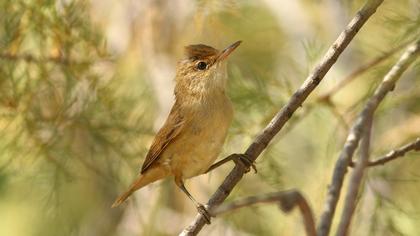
point(202, 140)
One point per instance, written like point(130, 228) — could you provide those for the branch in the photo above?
point(394, 154)
point(49, 59)
point(356, 179)
point(287, 200)
point(356, 131)
point(361, 70)
point(277, 123)
point(31, 58)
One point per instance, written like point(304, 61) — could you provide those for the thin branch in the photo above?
point(394, 154)
point(277, 123)
point(50, 59)
point(287, 200)
point(339, 117)
point(356, 131)
point(32, 58)
point(356, 179)
point(361, 70)
point(326, 97)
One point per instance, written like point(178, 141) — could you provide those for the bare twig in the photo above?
point(394, 154)
point(356, 179)
point(326, 97)
point(361, 70)
point(31, 58)
point(355, 134)
point(287, 200)
point(342, 121)
point(277, 123)
point(50, 59)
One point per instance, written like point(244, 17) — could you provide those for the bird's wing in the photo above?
point(170, 130)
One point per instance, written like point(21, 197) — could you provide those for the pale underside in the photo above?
point(192, 137)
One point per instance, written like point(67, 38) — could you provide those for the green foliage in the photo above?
point(81, 91)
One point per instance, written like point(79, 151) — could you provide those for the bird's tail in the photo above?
point(142, 180)
point(122, 198)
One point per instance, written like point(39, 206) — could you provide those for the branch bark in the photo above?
point(359, 71)
point(31, 58)
point(276, 124)
point(356, 131)
point(287, 200)
point(356, 179)
point(394, 154)
point(50, 59)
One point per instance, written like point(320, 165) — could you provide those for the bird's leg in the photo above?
point(200, 207)
point(237, 158)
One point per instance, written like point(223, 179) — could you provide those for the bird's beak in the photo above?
point(227, 51)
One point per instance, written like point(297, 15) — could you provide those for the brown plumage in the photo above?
point(194, 132)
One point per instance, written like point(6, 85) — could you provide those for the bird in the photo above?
point(194, 132)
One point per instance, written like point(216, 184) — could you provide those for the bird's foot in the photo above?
point(243, 159)
point(203, 211)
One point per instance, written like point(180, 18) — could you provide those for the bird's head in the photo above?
point(203, 72)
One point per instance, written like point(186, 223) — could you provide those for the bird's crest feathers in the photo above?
point(200, 51)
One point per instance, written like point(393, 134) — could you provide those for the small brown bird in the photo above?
point(195, 130)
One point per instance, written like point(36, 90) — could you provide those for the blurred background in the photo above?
point(84, 86)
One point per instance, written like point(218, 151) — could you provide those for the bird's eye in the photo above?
point(202, 65)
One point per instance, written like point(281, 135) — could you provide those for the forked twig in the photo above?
point(356, 132)
point(297, 99)
point(356, 179)
point(287, 201)
point(394, 154)
point(360, 70)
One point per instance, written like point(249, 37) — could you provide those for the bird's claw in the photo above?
point(203, 211)
point(244, 160)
